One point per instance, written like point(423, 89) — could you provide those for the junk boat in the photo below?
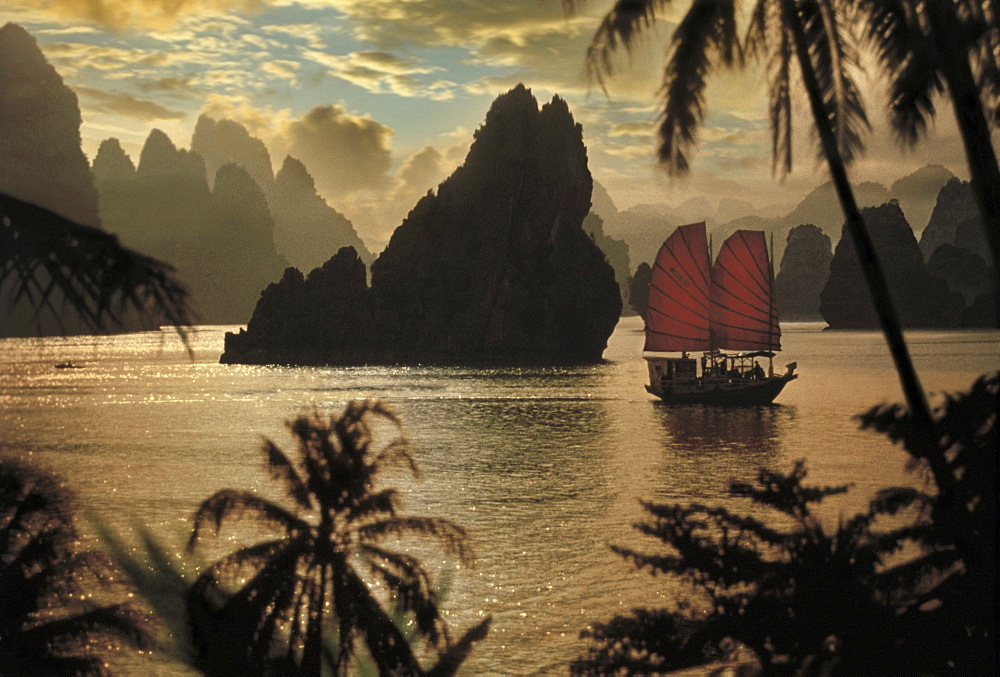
point(696, 307)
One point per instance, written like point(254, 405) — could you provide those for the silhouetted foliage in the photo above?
point(944, 47)
point(42, 252)
point(906, 587)
point(49, 615)
point(273, 606)
point(963, 512)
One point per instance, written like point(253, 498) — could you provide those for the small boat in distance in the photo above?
point(696, 307)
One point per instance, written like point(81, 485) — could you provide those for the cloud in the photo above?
point(263, 123)
point(282, 69)
point(380, 72)
point(127, 105)
point(345, 153)
point(134, 14)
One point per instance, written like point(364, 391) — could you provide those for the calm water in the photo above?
point(545, 466)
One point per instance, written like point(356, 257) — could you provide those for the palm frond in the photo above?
point(239, 629)
point(281, 469)
point(254, 556)
point(894, 30)
point(41, 252)
point(766, 35)
point(619, 29)
point(231, 503)
point(834, 56)
point(708, 31)
point(361, 613)
point(411, 584)
point(453, 537)
point(384, 502)
point(451, 660)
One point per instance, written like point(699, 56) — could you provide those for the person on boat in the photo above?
point(758, 371)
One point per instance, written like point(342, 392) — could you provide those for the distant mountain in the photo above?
point(955, 221)
point(221, 142)
point(804, 270)
point(41, 162)
point(918, 192)
point(221, 241)
point(920, 300)
point(307, 229)
point(822, 208)
point(616, 252)
point(495, 267)
point(602, 204)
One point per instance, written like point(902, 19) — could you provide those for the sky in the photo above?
point(379, 98)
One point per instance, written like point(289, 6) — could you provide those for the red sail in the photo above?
point(743, 315)
point(677, 311)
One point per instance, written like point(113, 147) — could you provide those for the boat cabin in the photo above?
point(672, 369)
point(716, 366)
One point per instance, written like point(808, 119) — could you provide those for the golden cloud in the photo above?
point(134, 14)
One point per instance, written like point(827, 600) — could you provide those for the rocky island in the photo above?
point(494, 268)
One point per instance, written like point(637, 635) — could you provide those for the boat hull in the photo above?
point(733, 393)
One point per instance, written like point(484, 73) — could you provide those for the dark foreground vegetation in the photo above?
point(906, 587)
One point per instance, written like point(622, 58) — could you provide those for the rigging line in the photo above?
point(689, 293)
point(704, 271)
point(665, 273)
point(764, 272)
point(759, 280)
point(677, 319)
point(750, 250)
point(761, 307)
point(727, 325)
point(761, 295)
point(685, 337)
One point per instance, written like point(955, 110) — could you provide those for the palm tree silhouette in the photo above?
point(42, 252)
point(314, 579)
point(925, 46)
point(48, 611)
point(811, 33)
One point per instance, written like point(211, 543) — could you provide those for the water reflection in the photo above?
point(710, 446)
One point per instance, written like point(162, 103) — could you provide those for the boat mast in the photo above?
point(770, 325)
point(711, 270)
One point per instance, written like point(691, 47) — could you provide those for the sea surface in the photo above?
point(545, 466)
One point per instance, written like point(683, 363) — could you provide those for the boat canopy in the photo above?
point(694, 306)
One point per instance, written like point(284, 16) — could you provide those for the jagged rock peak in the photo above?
point(495, 267)
point(920, 300)
point(955, 206)
point(294, 176)
point(805, 267)
point(112, 163)
point(43, 162)
point(160, 157)
point(223, 141)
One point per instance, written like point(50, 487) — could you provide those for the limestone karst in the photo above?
point(955, 221)
point(920, 299)
point(222, 142)
point(221, 240)
point(308, 230)
point(495, 267)
point(805, 267)
point(616, 252)
point(43, 162)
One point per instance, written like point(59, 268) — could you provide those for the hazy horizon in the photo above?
point(380, 100)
